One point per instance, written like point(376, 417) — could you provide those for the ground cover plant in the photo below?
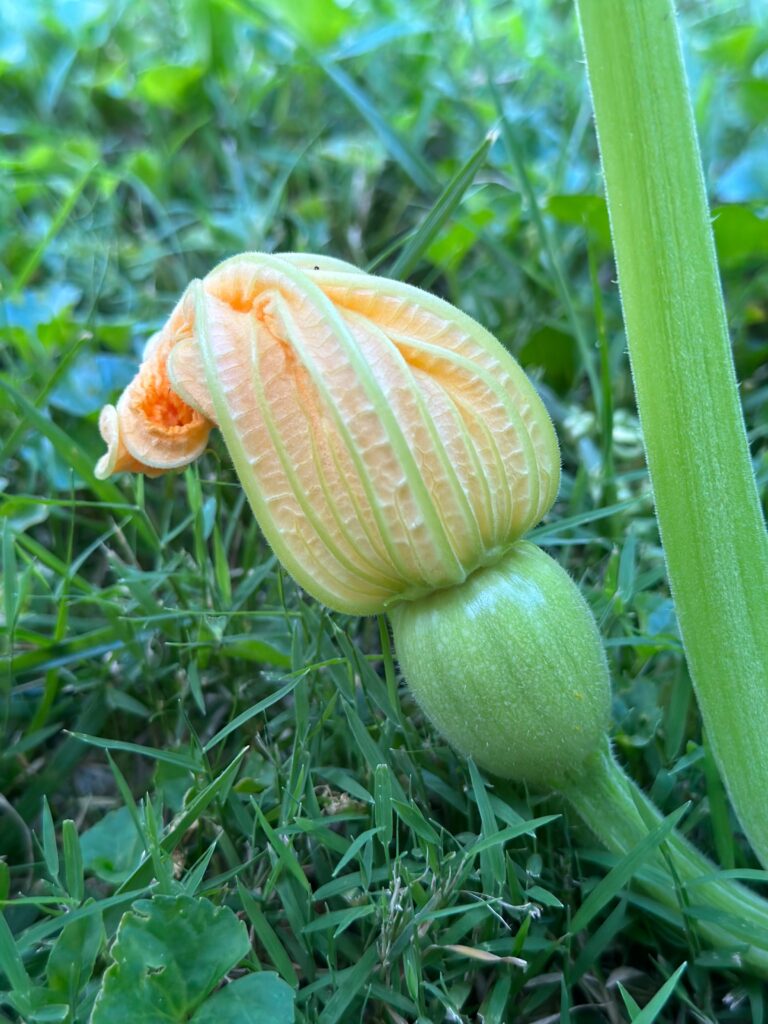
point(194, 750)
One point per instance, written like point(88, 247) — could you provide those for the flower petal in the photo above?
point(388, 444)
point(186, 375)
point(117, 458)
point(498, 401)
point(152, 429)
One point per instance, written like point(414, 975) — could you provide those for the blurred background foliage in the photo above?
point(141, 144)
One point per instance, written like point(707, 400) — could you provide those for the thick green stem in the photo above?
point(709, 515)
point(728, 916)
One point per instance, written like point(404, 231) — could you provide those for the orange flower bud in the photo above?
point(388, 444)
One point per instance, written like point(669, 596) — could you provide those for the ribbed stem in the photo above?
point(709, 515)
point(722, 912)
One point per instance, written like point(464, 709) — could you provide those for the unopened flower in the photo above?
point(388, 444)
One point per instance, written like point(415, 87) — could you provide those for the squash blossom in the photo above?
point(394, 454)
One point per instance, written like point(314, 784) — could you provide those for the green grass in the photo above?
point(178, 719)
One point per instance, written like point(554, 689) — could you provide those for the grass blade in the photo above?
point(652, 1009)
point(447, 202)
point(35, 257)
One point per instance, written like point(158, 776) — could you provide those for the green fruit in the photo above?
point(510, 668)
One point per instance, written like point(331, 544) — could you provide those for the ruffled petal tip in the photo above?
point(153, 429)
point(117, 458)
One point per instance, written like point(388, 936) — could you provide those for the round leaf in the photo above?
point(255, 999)
point(169, 954)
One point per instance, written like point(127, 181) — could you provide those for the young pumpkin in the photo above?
point(395, 454)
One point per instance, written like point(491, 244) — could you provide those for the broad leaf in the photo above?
point(255, 999)
point(169, 955)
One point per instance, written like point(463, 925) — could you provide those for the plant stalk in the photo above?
point(709, 515)
point(727, 915)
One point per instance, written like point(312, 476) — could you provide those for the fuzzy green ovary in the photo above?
point(510, 668)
